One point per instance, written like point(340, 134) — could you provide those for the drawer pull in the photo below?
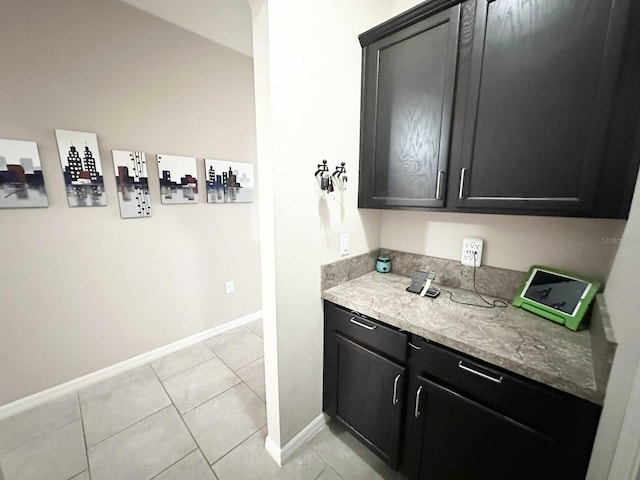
point(416, 413)
point(368, 327)
point(463, 172)
point(480, 374)
point(395, 390)
point(415, 347)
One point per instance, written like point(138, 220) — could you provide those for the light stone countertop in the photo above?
point(510, 337)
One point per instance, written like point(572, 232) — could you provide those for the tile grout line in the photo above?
point(39, 436)
point(186, 370)
point(208, 400)
point(84, 434)
point(134, 423)
point(238, 445)
point(174, 463)
point(235, 372)
point(187, 427)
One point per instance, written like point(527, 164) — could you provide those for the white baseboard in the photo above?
point(79, 383)
point(281, 455)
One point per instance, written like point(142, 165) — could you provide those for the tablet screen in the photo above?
point(556, 291)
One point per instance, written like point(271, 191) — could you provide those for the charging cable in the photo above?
point(487, 304)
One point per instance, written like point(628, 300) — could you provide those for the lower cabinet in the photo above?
point(370, 397)
point(465, 440)
point(437, 414)
point(364, 382)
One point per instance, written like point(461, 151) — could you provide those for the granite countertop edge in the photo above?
point(340, 296)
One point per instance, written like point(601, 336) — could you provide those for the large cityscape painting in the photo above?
point(21, 180)
point(229, 182)
point(132, 183)
point(82, 168)
point(178, 179)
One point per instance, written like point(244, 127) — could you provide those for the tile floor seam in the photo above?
point(129, 426)
point(209, 399)
point(84, 435)
point(235, 371)
point(237, 446)
point(193, 437)
point(250, 389)
point(183, 371)
point(326, 461)
point(174, 463)
point(2, 454)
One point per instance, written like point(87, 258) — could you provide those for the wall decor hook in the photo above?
point(322, 174)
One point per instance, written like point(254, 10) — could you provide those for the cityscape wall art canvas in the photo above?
point(132, 183)
point(229, 182)
point(81, 168)
point(21, 180)
point(178, 179)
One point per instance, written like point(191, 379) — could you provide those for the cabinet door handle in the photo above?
point(463, 173)
point(395, 390)
point(416, 413)
point(480, 374)
point(415, 347)
point(368, 327)
point(439, 185)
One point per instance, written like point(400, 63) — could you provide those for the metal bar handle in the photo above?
point(463, 173)
point(415, 347)
point(368, 327)
point(416, 413)
point(395, 390)
point(439, 185)
point(480, 374)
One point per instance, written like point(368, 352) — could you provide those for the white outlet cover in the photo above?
point(471, 246)
point(229, 287)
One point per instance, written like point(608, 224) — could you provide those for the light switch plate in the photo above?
point(344, 244)
point(472, 251)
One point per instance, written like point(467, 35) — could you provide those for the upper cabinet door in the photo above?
point(408, 87)
point(535, 106)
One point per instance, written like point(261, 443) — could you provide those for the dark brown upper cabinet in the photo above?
point(407, 105)
point(503, 106)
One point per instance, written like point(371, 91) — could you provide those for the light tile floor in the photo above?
point(195, 414)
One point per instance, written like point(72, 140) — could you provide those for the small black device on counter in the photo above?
point(421, 284)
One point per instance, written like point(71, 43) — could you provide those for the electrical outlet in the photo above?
point(472, 251)
point(229, 287)
point(344, 244)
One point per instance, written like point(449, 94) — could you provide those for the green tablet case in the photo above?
point(571, 321)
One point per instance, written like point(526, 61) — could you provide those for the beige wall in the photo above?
point(307, 60)
point(579, 245)
point(80, 288)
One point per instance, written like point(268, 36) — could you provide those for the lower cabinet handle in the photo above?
point(416, 413)
point(368, 327)
point(480, 374)
point(395, 390)
point(463, 173)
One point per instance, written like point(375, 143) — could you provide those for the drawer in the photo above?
point(524, 400)
point(366, 331)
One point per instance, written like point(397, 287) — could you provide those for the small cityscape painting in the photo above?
point(178, 179)
point(82, 168)
point(21, 180)
point(229, 182)
point(132, 183)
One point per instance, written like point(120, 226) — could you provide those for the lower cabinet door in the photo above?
point(464, 440)
point(370, 397)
